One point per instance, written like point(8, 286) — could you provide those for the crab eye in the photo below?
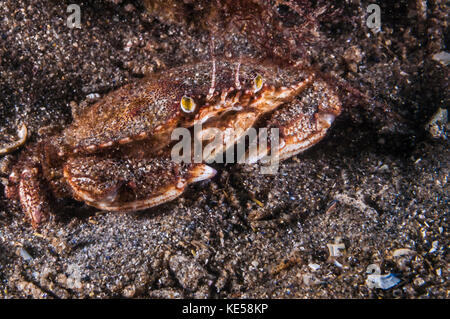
point(258, 82)
point(187, 104)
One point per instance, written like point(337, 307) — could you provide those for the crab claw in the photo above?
point(301, 123)
point(292, 144)
point(143, 183)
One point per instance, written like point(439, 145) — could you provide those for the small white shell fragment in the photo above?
point(434, 247)
point(128, 46)
point(310, 280)
point(438, 124)
point(442, 57)
point(335, 249)
point(24, 254)
point(382, 281)
point(313, 266)
point(22, 134)
point(419, 282)
point(93, 96)
point(402, 252)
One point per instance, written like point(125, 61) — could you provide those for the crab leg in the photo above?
point(32, 196)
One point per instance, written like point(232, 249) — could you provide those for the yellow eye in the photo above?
point(258, 82)
point(187, 104)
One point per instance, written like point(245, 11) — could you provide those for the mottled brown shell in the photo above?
point(150, 109)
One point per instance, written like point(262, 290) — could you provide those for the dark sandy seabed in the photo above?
point(378, 183)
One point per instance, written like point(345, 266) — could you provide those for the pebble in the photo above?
point(335, 249)
point(382, 281)
point(24, 254)
point(314, 267)
point(188, 272)
point(438, 124)
point(434, 246)
point(442, 57)
point(402, 252)
point(418, 282)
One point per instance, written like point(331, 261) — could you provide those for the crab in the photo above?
point(116, 154)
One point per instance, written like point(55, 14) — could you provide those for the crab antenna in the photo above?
point(213, 76)
point(236, 76)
